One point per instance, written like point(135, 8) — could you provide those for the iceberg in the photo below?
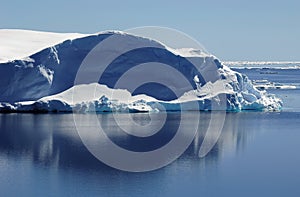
point(45, 81)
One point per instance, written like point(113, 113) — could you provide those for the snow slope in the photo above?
point(44, 81)
point(17, 44)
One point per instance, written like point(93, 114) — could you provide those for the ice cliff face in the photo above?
point(46, 78)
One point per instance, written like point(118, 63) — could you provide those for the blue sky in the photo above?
point(230, 29)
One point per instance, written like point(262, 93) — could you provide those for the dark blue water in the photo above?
point(256, 155)
point(286, 76)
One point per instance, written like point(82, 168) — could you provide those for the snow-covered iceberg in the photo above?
point(46, 81)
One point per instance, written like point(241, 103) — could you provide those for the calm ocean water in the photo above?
point(256, 155)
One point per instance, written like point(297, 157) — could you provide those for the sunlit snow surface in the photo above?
point(19, 44)
point(41, 77)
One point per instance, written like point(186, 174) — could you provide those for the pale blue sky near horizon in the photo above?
point(232, 29)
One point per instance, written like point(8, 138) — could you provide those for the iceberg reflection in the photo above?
point(52, 140)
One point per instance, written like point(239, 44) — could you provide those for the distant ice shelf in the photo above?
point(263, 64)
